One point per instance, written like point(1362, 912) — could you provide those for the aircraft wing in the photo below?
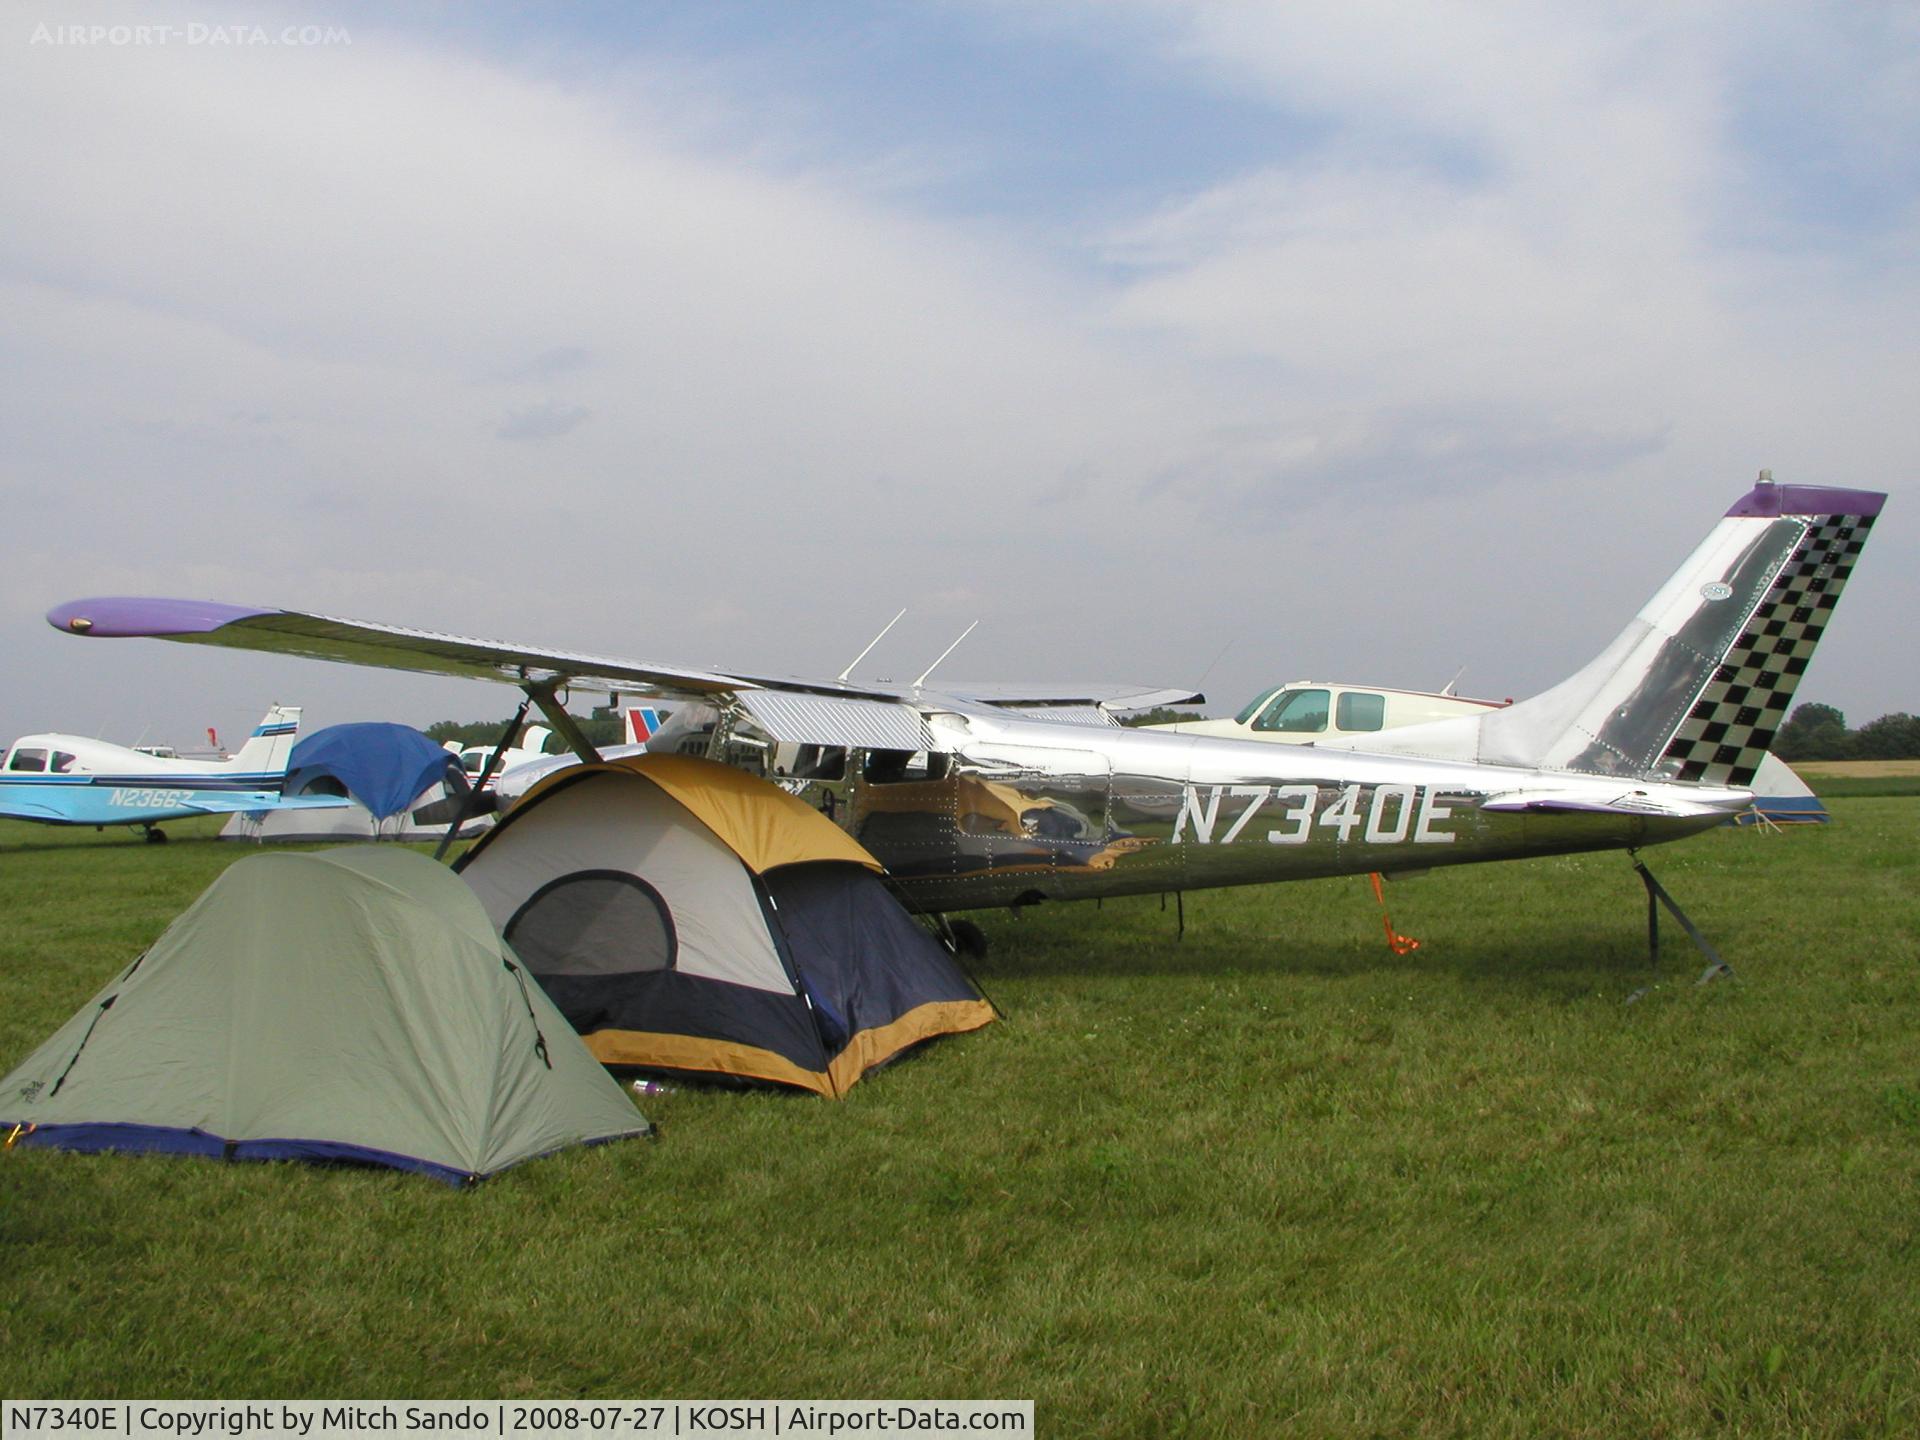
point(144, 804)
point(1073, 696)
point(394, 647)
point(225, 802)
point(363, 642)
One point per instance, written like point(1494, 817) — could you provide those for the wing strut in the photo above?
point(543, 693)
point(470, 802)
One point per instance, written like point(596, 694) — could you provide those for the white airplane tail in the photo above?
point(1695, 688)
point(267, 749)
point(639, 723)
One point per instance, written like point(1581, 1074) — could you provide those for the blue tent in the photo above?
point(382, 766)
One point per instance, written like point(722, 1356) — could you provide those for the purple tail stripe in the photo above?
point(1766, 501)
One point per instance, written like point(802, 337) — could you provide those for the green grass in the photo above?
point(1834, 787)
point(1268, 1179)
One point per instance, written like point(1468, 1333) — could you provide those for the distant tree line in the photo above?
point(1819, 732)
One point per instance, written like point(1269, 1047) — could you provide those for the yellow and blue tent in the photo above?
point(689, 917)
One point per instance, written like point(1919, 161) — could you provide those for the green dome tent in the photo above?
point(349, 1005)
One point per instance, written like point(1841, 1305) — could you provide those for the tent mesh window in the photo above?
point(594, 922)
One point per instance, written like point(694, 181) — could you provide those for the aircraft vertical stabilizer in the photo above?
point(267, 749)
point(1696, 686)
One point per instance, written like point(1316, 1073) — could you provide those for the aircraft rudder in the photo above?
point(271, 742)
point(1731, 725)
point(1699, 683)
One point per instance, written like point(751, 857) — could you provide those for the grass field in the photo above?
point(1861, 777)
point(1270, 1179)
point(1860, 769)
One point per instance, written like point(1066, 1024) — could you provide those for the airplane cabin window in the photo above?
point(62, 763)
point(818, 762)
point(893, 767)
point(1296, 712)
point(28, 760)
point(1358, 710)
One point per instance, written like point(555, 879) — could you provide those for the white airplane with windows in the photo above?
point(73, 780)
point(1304, 712)
point(978, 796)
point(475, 759)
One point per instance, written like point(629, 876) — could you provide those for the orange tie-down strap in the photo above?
point(1396, 942)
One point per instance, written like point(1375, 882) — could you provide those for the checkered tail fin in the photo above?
point(1695, 688)
point(1731, 724)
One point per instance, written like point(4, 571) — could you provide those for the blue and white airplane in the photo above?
point(73, 780)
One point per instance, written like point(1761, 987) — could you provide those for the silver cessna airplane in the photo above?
point(1014, 795)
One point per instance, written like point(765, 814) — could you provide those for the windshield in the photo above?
point(1296, 712)
point(1253, 706)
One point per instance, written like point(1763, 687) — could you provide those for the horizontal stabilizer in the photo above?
point(211, 802)
point(1631, 802)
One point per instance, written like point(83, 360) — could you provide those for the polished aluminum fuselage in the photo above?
point(1036, 810)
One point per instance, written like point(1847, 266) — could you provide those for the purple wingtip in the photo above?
point(1766, 500)
point(124, 615)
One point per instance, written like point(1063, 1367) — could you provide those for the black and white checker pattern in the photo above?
point(1731, 726)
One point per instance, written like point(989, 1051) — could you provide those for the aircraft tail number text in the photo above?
point(1294, 814)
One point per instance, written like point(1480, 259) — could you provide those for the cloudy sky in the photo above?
point(1177, 342)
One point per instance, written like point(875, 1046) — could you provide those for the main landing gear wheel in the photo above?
point(156, 837)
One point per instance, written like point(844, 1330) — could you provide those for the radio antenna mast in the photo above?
point(943, 655)
point(870, 644)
